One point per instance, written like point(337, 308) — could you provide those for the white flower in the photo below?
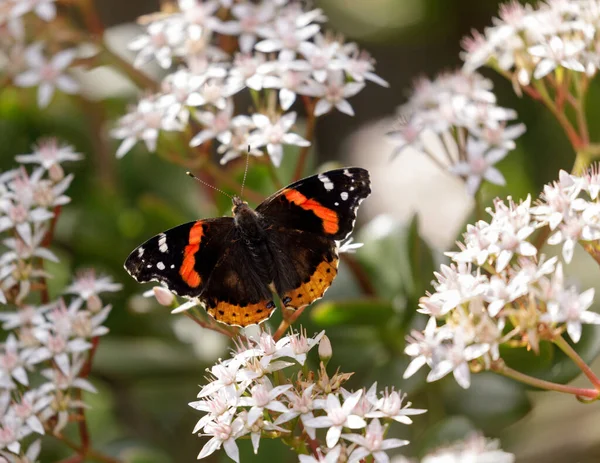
point(300, 405)
point(557, 52)
point(333, 92)
point(321, 56)
point(372, 443)
point(86, 285)
point(390, 406)
point(224, 433)
point(160, 42)
point(236, 141)
point(476, 448)
point(332, 456)
point(338, 417)
point(572, 308)
point(359, 65)
point(150, 116)
point(455, 358)
point(422, 345)
point(215, 125)
point(47, 74)
point(48, 152)
point(218, 405)
point(263, 398)
point(12, 363)
point(248, 18)
point(289, 77)
point(291, 27)
point(225, 378)
point(298, 345)
point(479, 165)
point(273, 133)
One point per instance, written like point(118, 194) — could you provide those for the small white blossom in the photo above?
point(372, 443)
point(47, 74)
point(274, 133)
point(338, 417)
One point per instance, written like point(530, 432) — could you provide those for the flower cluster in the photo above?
point(274, 48)
point(33, 63)
point(474, 448)
point(455, 120)
point(500, 290)
point(45, 357)
point(528, 43)
point(242, 399)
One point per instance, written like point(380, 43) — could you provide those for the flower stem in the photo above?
point(583, 160)
point(560, 116)
point(573, 355)
point(502, 369)
point(288, 320)
point(138, 77)
point(91, 455)
point(311, 121)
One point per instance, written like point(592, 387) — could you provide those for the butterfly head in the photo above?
point(241, 209)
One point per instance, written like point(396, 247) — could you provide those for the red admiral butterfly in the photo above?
point(287, 245)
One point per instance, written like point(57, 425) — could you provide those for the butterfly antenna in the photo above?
point(209, 185)
point(245, 173)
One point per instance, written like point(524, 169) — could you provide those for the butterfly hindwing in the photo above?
point(323, 204)
point(183, 257)
point(305, 267)
point(238, 292)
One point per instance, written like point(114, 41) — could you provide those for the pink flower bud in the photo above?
point(325, 350)
point(163, 296)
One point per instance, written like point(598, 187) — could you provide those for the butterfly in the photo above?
point(287, 245)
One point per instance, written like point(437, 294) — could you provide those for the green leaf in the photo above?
point(421, 261)
point(142, 356)
point(445, 432)
point(355, 312)
point(492, 402)
point(552, 364)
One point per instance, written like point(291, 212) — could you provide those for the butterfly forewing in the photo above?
point(322, 204)
point(183, 257)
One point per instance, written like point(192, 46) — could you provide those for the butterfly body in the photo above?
point(286, 245)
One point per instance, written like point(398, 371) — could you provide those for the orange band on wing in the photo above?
point(328, 216)
point(187, 271)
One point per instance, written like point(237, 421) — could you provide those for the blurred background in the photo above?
point(150, 365)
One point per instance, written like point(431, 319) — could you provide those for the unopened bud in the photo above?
point(56, 173)
point(94, 303)
point(325, 350)
point(163, 296)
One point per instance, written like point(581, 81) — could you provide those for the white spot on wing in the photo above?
point(344, 195)
point(160, 266)
point(347, 173)
point(327, 183)
point(162, 243)
point(140, 251)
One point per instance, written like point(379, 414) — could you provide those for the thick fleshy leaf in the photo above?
point(356, 312)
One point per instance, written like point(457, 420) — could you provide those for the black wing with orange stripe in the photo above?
point(322, 204)
point(183, 257)
point(304, 221)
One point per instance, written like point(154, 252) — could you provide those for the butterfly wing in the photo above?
point(304, 221)
point(323, 204)
point(238, 292)
point(183, 257)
